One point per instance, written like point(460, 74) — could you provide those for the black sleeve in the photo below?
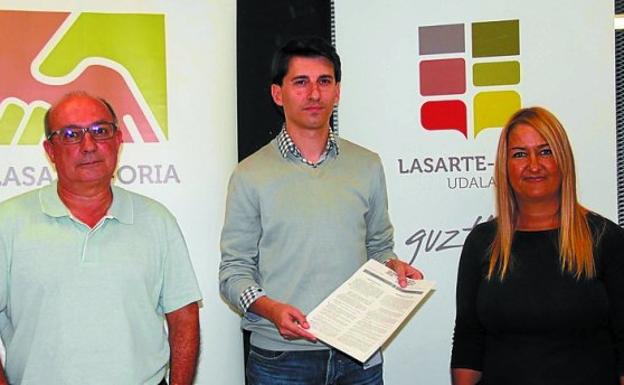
point(611, 259)
point(469, 335)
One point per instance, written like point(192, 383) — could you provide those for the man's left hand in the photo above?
point(404, 271)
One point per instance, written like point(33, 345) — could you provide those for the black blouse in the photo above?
point(541, 325)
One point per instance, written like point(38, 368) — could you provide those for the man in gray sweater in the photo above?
point(303, 214)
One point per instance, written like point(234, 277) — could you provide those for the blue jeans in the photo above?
point(309, 367)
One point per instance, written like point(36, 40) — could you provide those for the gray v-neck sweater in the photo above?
point(299, 231)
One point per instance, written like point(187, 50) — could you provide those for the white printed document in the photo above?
point(359, 316)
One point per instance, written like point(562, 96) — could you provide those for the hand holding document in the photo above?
point(359, 316)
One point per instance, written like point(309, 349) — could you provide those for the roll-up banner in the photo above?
point(168, 69)
point(428, 85)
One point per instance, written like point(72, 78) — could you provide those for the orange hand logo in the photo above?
point(120, 57)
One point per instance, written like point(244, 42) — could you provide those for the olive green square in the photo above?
point(496, 38)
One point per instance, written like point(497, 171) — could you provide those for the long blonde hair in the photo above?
point(575, 237)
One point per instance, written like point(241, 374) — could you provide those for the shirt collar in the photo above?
point(286, 144)
point(121, 209)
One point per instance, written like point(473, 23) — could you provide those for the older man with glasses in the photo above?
point(90, 272)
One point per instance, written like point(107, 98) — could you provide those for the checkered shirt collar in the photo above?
point(286, 145)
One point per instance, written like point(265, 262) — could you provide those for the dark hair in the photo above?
point(46, 118)
point(304, 47)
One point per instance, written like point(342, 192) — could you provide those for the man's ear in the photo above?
point(48, 147)
point(337, 98)
point(119, 136)
point(276, 93)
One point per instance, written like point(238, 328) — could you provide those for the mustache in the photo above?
point(89, 159)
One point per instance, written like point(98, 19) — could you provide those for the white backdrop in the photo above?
point(188, 171)
point(566, 59)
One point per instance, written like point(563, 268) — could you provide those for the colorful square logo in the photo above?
point(495, 50)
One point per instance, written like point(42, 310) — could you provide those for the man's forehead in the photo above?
point(315, 65)
point(79, 109)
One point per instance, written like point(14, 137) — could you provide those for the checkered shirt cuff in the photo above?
point(249, 296)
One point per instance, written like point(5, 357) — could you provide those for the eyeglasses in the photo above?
point(99, 131)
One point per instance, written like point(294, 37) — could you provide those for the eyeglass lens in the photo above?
point(99, 131)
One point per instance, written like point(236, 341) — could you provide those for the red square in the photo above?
point(443, 115)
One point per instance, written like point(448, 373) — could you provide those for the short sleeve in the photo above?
point(180, 286)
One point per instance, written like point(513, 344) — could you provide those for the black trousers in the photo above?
point(163, 382)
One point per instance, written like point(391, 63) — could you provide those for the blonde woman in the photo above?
point(540, 289)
